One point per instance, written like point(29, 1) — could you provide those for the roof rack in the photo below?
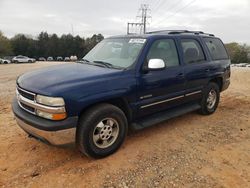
point(181, 32)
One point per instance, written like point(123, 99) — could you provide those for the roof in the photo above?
point(165, 32)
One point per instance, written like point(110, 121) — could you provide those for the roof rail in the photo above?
point(181, 32)
point(166, 31)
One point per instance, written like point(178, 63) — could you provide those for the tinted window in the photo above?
point(164, 49)
point(216, 48)
point(192, 51)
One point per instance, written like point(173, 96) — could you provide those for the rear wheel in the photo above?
point(210, 99)
point(101, 130)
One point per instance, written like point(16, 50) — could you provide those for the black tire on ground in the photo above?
point(29, 61)
point(207, 107)
point(88, 126)
point(5, 62)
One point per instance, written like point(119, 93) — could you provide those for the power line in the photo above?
point(161, 4)
point(177, 11)
point(182, 8)
point(155, 4)
point(168, 10)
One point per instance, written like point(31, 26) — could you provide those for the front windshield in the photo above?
point(118, 52)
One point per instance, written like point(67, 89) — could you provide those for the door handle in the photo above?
point(180, 75)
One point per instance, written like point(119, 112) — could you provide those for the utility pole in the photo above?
point(72, 29)
point(143, 17)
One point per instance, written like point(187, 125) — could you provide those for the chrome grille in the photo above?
point(21, 93)
point(26, 94)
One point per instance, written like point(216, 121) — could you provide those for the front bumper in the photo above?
point(52, 132)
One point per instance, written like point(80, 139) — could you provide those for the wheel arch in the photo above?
point(119, 102)
point(218, 81)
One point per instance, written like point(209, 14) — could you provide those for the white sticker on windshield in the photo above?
point(140, 41)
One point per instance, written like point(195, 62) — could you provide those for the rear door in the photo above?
point(161, 89)
point(196, 66)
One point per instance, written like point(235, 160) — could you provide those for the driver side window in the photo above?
point(164, 49)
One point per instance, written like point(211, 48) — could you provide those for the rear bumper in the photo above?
point(52, 132)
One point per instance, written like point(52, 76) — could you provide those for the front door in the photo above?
point(161, 89)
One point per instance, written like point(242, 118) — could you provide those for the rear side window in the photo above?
point(192, 51)
point(216, 48)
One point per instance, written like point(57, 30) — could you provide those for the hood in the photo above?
point(56, 79)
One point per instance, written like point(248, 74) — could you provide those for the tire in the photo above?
point(5, 62)
point(209, 106)
point(101, 130)
point(29, 61)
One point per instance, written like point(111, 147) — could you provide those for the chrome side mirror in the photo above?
point(156, 64)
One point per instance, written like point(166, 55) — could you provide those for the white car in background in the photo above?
point(248, 65)
point(73, 58)
point(4, 61)
point(23, 59)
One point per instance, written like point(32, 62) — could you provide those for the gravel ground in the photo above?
point(188, 151)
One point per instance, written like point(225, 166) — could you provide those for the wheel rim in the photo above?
point(211, 99)
point(106, 132)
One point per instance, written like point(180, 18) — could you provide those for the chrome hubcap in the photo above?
point(106, 133)
point(211, 99)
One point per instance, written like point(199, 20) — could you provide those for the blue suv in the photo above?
point(124, 82)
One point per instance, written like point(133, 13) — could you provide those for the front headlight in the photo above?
point(55, 103)
point(50, 101)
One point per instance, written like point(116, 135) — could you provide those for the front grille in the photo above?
point(28, 108)
point(26, 94)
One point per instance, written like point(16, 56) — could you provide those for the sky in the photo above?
point(227, 19)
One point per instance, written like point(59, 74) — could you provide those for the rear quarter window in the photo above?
point(216, 48)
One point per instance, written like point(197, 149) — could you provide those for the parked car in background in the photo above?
point(66, 59)
point(23, 59)
point(248, 66)
point(4, 61)
point(50, 59)
point(41, 59)
point(59, 58)
point(73, 58)
point(242, 65)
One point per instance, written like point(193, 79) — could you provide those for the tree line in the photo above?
point(46, 45)
point(239, 53)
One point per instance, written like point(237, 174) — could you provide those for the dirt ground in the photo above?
point(188, 151)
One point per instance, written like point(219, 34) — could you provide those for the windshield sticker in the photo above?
point(138, 41)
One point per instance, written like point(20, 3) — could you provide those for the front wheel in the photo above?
point(210, 99)
point(101, 130)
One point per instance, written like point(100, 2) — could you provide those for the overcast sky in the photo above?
point(228, 19)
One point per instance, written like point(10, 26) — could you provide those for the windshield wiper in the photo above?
point(99, 63)
point(83, 61)
point(104, 63)
point(109, 65)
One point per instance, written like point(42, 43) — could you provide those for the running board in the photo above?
point(165, 115)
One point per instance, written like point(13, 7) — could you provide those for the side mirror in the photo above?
point(156, 64)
